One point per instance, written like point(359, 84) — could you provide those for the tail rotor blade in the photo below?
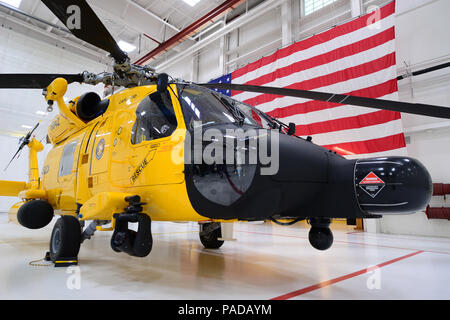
point(13, 158)
point(28, 136)
point(25, 140)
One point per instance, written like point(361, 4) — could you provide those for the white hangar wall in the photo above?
point(422, 32)
point(25, 53)
point(420, 43)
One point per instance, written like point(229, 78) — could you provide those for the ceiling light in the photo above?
point(13, 3)
point(192, 2)
point(26, 127)
point(125, 46)
point(41, 113)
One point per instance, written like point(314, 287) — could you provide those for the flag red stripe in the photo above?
point(370, 146)
point(377, 91)
point(313, 41)
point(325, 58)
point(360, 121)
point(332, 78)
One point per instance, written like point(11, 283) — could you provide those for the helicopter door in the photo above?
point(99, 149)
point(157, 118)
point(67, 176)
point(121, 155)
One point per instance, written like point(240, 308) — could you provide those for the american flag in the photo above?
point(356, 58)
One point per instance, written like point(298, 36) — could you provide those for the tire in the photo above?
point(210, 239)
point(65, 240)
point(320, 238)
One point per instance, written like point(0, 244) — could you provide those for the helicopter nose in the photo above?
point(392, 185)
point(317, 182)
point(304, 180)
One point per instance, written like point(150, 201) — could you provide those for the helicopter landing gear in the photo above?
point(138, 244)
point(320, 235)
point(65, 241)
point(210, 234)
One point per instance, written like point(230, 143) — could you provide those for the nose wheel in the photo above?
point(210, 234)
point(320, 235)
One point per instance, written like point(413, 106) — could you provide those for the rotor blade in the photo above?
point(34, 80)
point(23, 142)
point(413, 108)
point(12, 159)
point(84, 24)
point(28, 136)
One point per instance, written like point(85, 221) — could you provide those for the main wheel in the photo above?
point(209, 234)
point(320, 238)
point(65, 239)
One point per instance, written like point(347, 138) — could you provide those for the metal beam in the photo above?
point(29, 16)
point(286, 23)
point(153, 15)
point(356, 7)
point(245, 55)
point(186, 32)
point(116, 19)
point(256, 12)
point(67, 42)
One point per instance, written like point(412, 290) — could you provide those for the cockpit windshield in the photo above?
point(202, 107)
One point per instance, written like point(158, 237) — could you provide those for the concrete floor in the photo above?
point(266, 262)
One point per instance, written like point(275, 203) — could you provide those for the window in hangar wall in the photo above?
point(311, 6)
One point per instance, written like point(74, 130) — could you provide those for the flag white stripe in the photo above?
point(325, 69)
point(340, 112)
point(367, 81)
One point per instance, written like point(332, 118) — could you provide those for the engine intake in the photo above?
point(90, 106)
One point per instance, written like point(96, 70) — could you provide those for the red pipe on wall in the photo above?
point(437, 213)
point(186, 32)
point(441, 189)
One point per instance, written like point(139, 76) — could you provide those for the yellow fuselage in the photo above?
point(100, 158)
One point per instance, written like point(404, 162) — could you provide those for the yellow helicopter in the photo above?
point(132, 158)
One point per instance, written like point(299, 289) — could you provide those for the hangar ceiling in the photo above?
point(142, 23)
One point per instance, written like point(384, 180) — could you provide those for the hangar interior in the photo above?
point(396, 257)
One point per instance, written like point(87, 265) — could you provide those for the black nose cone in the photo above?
point(393, 185)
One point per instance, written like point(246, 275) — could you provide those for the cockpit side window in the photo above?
point(208, 107)
point(155, 118)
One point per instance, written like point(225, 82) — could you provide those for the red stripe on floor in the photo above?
point(348, 242)
point(339, 279)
